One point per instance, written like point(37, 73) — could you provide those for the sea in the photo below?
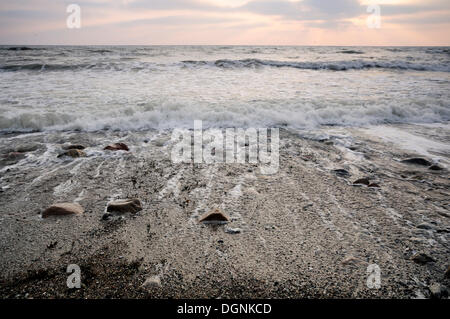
point(138, 88)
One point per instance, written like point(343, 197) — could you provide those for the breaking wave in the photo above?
point(333, 66)
point(233, 64)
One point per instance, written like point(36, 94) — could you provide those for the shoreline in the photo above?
point(304, 232)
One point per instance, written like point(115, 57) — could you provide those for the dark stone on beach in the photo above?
point(73, 147)
point(125, 206)
point(422, 258)
point(73, 153)
point(362, 181)
point(351, 261)
point(13, 156)
point(417, 161)
point(447, 273)
point(425, 226)
point(341, 172)
point(435, 167)
point(62, 209)
point(437, 291)
point(373, 185)
point(27, 148)
point(106, 216)
point(214, 216)
point(117, 147)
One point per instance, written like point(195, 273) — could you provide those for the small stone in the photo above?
point(361, 181)
point(117, 147)
point(73, 147)
point(14, 156)
point(125, 206)
point(341, 172)
point(214, 216)
point(73, 153)
point(351, 260)
point(435, 290)
point(153, 281)
point(373, 185)
point(417, 161)
point(27, 148)
point(106, 216)
point(435, 167)
point(229, 230)
point(61, 209)
point(425, 226)
point(422, 258)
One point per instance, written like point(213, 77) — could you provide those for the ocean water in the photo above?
point(91, 88)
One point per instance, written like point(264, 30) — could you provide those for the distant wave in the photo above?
point(334, 66)
point(234, 64)
point(351, 52)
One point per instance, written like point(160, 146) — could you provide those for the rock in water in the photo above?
point(125, 206)
point(417, 161)
point(73, 153)
point(422, 258)
point(73, 147)
point(12, 158)
point(215, 216)
point(117, 147)
point(341, 172)
point(362, 181)
point(61, 209)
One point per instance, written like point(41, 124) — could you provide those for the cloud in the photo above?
point(180, 20)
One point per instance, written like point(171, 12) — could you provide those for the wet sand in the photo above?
point(306, 231)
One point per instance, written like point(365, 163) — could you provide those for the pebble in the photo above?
point(341, 172)
point(152, 281)
point(63, 209)
point(422, 258)
point(425, 226)
point(417, 161)
point(362, 181)
point(214, 216)
point(435, 290)
point(73, 147)
point(117, 147)
point(232, 230)
point(124, 206)
point(73, 153)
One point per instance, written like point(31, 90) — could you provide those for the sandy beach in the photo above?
point(305, 232)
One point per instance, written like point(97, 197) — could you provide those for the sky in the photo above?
point(227, 22)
